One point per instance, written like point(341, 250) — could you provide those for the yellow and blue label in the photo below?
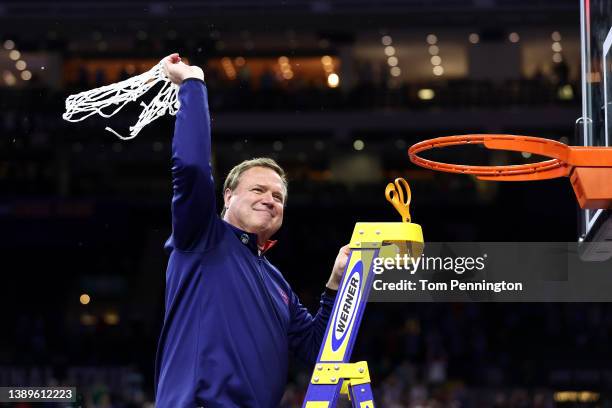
point(351, 302)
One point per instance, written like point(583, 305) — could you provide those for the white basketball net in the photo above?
point(82, 105)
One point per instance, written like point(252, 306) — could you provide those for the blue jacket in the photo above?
point(231, 318)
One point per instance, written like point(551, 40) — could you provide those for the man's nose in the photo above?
point(268, 199)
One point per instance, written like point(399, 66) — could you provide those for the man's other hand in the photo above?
point(177, 71)
point(338, 270)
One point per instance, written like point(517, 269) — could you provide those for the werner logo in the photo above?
point(349, 299)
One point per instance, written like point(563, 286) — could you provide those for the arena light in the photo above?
point(21, 65)
point(285, 68)
point(474, 38)
point(435, 59)
point(358, 145)
point(333, 80)
point(9, 45)
point(576, 396)
point(26, 75)
point(392, 61)
point(9, 78)
point(426, 94)
point(514, 37)
point(328, 64)
point(396, 71)
point(84, 299)
point(389, 50)
point(111, 318)
point(556, 47)
point(228, 67)
point(565, 93)
point(386, 40)
point(14, 55)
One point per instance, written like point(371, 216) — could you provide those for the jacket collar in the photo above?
point(250, 240)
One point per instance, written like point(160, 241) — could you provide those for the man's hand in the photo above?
point(177, 71)
point(336, 275)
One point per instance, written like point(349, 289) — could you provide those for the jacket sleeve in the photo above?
point(306, 332)
point(193, 200)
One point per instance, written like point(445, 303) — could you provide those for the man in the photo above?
point(231, 318)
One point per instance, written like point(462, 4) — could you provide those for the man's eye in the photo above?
point(259, 190)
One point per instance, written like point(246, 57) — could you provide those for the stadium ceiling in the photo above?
point(321, 13)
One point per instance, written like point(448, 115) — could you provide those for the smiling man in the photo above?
point(256, 204)
point(231, 318)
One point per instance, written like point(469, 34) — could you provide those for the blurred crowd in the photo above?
point(420, 355)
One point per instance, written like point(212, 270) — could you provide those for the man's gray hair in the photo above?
point(233, 178)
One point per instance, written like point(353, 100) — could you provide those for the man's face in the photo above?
point(256, 204)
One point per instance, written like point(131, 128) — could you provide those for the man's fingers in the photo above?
point(174, 57)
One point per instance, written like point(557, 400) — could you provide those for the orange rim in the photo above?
point(590, 166)
point(556, 167)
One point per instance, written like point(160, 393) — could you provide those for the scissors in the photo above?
point(395, 195)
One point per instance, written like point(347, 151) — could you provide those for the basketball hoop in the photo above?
point(589, 168)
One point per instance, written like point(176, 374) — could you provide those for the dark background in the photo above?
point(82, 212)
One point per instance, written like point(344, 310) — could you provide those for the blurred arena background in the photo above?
point(336, 91)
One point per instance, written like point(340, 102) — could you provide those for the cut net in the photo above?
point(82, 105)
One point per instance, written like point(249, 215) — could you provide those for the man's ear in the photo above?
point(227, 195)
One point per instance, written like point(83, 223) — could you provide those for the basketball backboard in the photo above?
point(594, 128)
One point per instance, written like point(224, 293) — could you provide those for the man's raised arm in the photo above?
point(193, 201)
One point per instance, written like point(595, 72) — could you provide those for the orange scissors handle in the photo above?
point(395, 195)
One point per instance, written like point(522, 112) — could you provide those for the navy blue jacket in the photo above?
point(231, 318)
